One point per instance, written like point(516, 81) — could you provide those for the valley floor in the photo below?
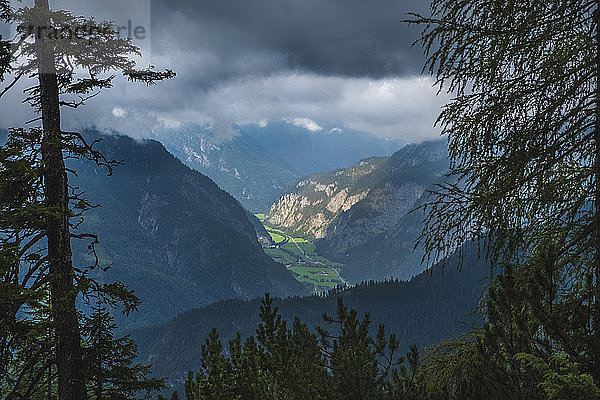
point(300, 257)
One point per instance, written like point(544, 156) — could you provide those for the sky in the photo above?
point(321, 63)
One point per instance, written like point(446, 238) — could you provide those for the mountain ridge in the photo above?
point(355, 213)
point(256, 164)
point(433, 306)
point(171, 233)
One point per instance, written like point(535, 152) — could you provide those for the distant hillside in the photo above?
point(429, 308)
point(258, 164)
point(239, 165)
point(361, 215)
point(320, 198)
point(171, 234)
point(376, 237)
point(319, 151)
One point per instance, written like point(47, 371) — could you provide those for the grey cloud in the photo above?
point(332, 37)
point(342, 62)
point(402, 108)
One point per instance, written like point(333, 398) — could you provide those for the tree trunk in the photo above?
point(596, 281)
point(63, 294)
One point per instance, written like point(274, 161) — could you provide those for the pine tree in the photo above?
point(294, 364)
point(27, 343)
point(216, 379)
point(46, 49)
point(109, 363)
point(358, 363)
point(524, 142)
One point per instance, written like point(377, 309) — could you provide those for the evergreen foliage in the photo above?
point(5, 53)
point(282, 363)
point(433, 306)
point(109, 361)
point(41, 337)
point(524, 143)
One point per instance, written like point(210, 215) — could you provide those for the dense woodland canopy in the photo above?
point(430, 307)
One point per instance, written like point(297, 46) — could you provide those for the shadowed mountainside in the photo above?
point(171, 234)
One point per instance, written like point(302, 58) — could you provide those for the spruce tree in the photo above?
point(49, 48)
point(524, 141)
point(109, 362)
point(359, 364)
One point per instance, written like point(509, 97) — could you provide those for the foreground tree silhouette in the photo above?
point(524, 142)
point(4, 44)
point(109, 361)
point(52, 48)
point(283, 363)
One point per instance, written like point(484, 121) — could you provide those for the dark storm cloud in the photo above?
point(319, 63)
point(356, 38)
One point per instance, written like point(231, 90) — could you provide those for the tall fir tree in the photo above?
point(110, 370)
point(524, 143)
point(37, 245)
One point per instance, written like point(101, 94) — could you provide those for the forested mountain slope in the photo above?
point(171, 234)
point(423, 311)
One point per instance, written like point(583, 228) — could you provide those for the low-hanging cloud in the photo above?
point(335, 63)
point(403, 108)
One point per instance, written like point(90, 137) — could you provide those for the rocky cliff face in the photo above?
point(172, 235)
point(362, 215)
point(402, 181)
point(318, 200)
point(380, 212)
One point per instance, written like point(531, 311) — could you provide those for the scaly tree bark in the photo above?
point(71, 385)
point(596, 316)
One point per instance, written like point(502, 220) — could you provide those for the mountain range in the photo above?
point(256, 164)
point(362, 215)
point(171, 234)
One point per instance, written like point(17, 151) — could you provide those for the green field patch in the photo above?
point(261, 217)
point(300, 255)
point(309, 248)
point(300, 240)
point(316, 274)
point(327, 261)
point(277, 238)
point(292, 248)
point(280, 256)
point(321, 278)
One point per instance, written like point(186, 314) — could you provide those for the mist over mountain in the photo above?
point(256, 164)
point(171, 234)
point(310, 148)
